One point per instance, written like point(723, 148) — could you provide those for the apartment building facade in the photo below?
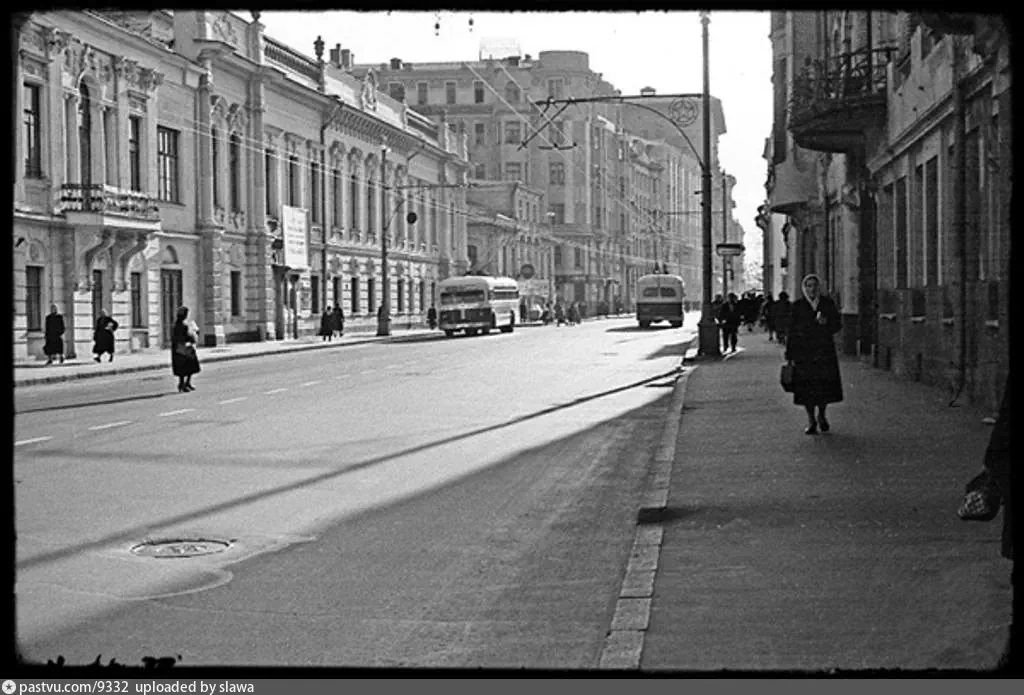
point(185, 158)
point(891, 161)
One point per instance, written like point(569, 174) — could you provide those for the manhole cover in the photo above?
point(180, 548)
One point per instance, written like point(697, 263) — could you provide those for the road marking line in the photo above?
point(310, 383)
point(232, 400)
point(274, 391)
point(32, 441)
point(177, 412)
point(111, 424)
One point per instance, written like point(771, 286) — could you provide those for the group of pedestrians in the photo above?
point(53, 336)
point(332, 322)
point(561, 314)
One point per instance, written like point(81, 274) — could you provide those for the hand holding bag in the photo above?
point(981, 499)
point(786, 377)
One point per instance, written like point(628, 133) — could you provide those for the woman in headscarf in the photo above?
point(810, 348)
point(184, 360)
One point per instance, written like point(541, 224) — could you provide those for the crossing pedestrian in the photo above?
point(103, 336)
point(338, 320)
point(729, 316)
point(184, 358)
point(432, 317)
point(811, 349)
point(53, 330)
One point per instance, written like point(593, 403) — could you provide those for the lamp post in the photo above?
point(725, 239)
point(384, 314)
point(707, 330)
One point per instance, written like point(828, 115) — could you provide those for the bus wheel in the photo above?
point(645, 324)
point(511, 324)
point(470, 331)
point(677, 324)
point(448, 333)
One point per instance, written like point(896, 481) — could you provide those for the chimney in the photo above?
point(335, 56)
point(346, 59)
point(396, 63)
point(647, 91)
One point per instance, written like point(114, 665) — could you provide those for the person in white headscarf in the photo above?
point(811, 349)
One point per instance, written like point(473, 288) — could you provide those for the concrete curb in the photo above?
point(624, 643)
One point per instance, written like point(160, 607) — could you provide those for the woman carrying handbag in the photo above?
point(184, 359)
point(811, 350)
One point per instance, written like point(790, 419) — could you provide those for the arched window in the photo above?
point(234, 172)
point(512, 93)
point(371, 218)
point(85, 136)
point(353, 199)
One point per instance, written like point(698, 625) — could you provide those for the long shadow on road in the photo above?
point(134, 532)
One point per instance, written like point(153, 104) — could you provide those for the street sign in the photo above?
point(729, 249)
point(526, 271)
point(293, 225)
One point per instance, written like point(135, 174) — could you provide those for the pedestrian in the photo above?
point(559, 314)
point(326, 330)
point(432, 317)
point(338, 320)
point(766, 317)
point(53, 330)
point(574, 313)
point(781, 310)
point(545, 315)
point(103, 336)
point(729, 316)
point(811, 349)
point(997, 463)
point(184, 359)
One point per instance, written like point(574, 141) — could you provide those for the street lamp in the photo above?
point(707, 330)
point(384, 314)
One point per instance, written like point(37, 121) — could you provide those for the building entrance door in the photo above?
point(170, 300)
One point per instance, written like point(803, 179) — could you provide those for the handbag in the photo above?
point(981, 499)
point(185, 350)
point(786, 377)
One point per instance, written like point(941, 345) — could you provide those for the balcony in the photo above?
point(835, 103)
point(108, 206)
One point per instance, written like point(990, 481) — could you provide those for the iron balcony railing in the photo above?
point(841, 82)
point(101, 198)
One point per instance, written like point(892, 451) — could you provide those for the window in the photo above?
point(558, 133)
point(559, 213)
point(597, 217)
point(396, 90)
point(513, 133)
point(235, 171)
point(449, 92)
point(401, 296)
point(371, 217)
point(34, 297)
point(513, 171)
point(134, 153)
point(371, 295)
point(354, 200)
point(167, 164)
point(236, 293)
point(214, 144)
point(578, 257)
point(314, 285)
point(479, 133)
point(32, 119)
point(269, 161)
point(293, 181)
point(137, 300)
point(354, 295)
point(478, 92)
point(84, 135)
point(337, 285)
point(555, 87)
point(480, 171)
point(556, 173)
point(901, 232)
point(558, 256)
point(336, 208)
point(512, 93)
point(423, 290)
point(314, 190)
point(421, 93)
point(97, 294)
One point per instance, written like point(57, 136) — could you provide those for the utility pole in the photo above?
point(707, 330)
point(384, 315)
point(726, 260)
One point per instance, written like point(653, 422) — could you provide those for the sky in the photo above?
point(632, 50)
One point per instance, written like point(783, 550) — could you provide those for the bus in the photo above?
point(659, 298)
point(478, 303)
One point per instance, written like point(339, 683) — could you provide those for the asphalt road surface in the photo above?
point(429, 502)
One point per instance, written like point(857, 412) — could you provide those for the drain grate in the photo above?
point(190, 547)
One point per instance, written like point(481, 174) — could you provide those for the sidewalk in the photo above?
point(787, 551)
point(32, 372)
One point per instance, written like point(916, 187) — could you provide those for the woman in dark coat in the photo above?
point(811, 348)
point(338, 320)
point(781, 309)
point(184, 360)
point(103, 336)
point(326, 324)
point(53, 330)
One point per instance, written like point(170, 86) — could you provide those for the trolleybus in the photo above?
point(478, 303)
point(659, 297)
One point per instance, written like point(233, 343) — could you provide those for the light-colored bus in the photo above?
point(478, 303)
point(659, 298)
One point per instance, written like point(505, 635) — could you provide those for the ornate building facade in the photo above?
point(891, 162)
point(167, 159)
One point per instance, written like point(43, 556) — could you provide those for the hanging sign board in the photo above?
point(295, 230)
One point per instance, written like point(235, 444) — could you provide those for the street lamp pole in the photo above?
point(725, 239)
point(707, 330)
point(383, 316)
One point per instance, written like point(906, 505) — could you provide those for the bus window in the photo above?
point(650, 291)
point(668, 292)
point(462, 297)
